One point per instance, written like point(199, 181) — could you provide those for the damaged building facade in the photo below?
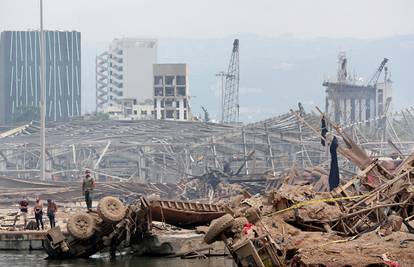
point(131, 85)
point(171, 92)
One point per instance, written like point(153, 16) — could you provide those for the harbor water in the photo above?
point(37, 259)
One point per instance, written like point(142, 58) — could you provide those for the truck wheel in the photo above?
point(81, 225)
point(217, 227)
point(111, 209)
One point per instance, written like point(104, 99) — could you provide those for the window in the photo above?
point(177, 114)
point(168, 103)
point(110, 97)
point(143, 112)
point(158, 91)
point(169, 80)
point(170, 114)
point(177, 103)
point(162, 103)
point(162, 114)
point(158, 81)
point(135, 112)
point(181, 91)
point(155, 103)
point(185, 114)
point(185, 103)
point(169, 91)
point(180, 80)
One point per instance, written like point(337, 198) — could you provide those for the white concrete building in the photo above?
point(171, 92)
point(124, 73)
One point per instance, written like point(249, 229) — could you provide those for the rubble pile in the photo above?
point(344, 227)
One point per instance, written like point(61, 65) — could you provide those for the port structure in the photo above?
point(349, 100)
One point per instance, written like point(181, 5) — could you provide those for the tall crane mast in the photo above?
point(374, 79)
point(231, 90)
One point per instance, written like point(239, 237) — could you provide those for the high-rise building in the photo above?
point(20, 74)
point(124, 74)
point(171, 92)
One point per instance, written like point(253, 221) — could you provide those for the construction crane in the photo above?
point(374, 79)
point(230, 110)
point(206, 114)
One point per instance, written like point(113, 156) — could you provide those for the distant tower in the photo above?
point(342, 71)
point(231, 90)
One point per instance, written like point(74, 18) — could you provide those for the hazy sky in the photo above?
point(102, 20)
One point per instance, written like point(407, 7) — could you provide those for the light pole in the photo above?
point(42, 98)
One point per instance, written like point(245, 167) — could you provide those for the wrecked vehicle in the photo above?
point(114, 225)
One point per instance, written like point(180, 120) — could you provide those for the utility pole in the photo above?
point(42, 98)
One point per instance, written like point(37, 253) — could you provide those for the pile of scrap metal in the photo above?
point(365, 221)
point(113, 225)
point(213, 184)
point(297, 226)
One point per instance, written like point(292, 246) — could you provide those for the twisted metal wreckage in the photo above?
point(220, 162)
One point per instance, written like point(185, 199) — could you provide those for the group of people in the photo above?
point(38, 212)
point(88, 184)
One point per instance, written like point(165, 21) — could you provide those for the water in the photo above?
point(37, 259)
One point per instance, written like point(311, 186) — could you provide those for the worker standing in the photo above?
point(88, 185)
point(38, 211)
point(51, 212)
point(23, 210)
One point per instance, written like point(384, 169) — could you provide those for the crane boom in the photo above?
point(231, 90)
point(374, 79)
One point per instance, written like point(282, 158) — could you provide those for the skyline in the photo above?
point(212, 19)
point(100, 23)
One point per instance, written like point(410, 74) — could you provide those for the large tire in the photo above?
point(239, 223)
point(217, 227)
point(111, 209)
point(81, 225)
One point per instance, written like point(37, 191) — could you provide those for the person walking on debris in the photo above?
point(23, 210)
point(88, 185)
point(51, 212)
point(38, 211)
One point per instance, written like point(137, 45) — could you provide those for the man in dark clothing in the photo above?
point(334, 171)
point(324, 130)
point(51, 212)
point(38, 211)
point(23, 210)
point(88, 185)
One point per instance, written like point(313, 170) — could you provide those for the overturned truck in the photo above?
point(115, 225)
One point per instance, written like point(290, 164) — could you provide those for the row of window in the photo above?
point(171, 114)
point(169, 80)
point(170, 91)
point(144, 112)
point(169, 103)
